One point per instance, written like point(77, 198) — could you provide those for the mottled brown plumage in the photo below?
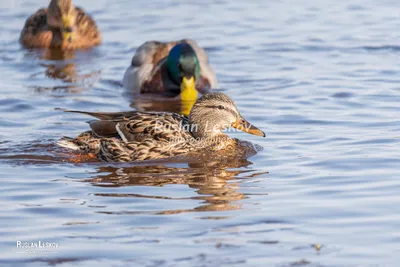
point(136, 136)
point(61, 25)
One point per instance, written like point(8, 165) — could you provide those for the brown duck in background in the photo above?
point(135, 136)
point(174, 70)
point(61, 25)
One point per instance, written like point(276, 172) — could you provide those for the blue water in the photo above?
point(320, 78)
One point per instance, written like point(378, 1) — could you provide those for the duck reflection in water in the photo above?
point(62, 68)
point(62, 65)
point(149, 103)
point(216, 181)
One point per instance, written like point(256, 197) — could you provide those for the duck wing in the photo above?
point(155, 126)
point(35, 32)
point(105, 115)
point(106, 128)
point(87, 28)
point(137, 126)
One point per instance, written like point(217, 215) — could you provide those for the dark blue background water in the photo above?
point(321, 78)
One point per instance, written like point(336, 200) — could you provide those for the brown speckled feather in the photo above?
point(136, 136)
point(142, 136)
point(137, 126)
point(113, 150)
point(37, 34)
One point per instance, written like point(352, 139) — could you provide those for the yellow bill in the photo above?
point(245, 126)
point(186, 107)
point(188, 89)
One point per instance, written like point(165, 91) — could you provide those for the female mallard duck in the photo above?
point(173, 69)
point(136, 136)
point(61, 25)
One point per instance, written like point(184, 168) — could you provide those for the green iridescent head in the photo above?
point(182, 62)
point(184, 70)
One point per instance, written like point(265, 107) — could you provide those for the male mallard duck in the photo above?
point(61, 25)
point(173, 69)
point(136, 136)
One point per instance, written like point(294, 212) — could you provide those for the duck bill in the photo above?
point(67, 29)
point(245, 126)
point(188, 89)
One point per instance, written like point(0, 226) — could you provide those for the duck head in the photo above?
point(184, 69)
point(61, 16)
point(215, 112)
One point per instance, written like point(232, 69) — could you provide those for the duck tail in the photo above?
point(68, 142)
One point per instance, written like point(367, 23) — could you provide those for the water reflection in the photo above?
point(65, 72)
point(152, 103)
point(63, 66)
point(211, 185)
point(216, 181)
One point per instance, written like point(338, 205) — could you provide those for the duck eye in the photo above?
point(221, 107)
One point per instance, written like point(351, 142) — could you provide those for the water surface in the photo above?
point(321, 79)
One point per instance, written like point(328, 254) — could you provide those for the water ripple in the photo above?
point(321, 78)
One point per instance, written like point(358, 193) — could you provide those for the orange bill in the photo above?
point(245, 126)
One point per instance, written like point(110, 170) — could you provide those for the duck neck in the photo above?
point(204, 131)
point(170, 87)
point(56, 40)
point(55, 30)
